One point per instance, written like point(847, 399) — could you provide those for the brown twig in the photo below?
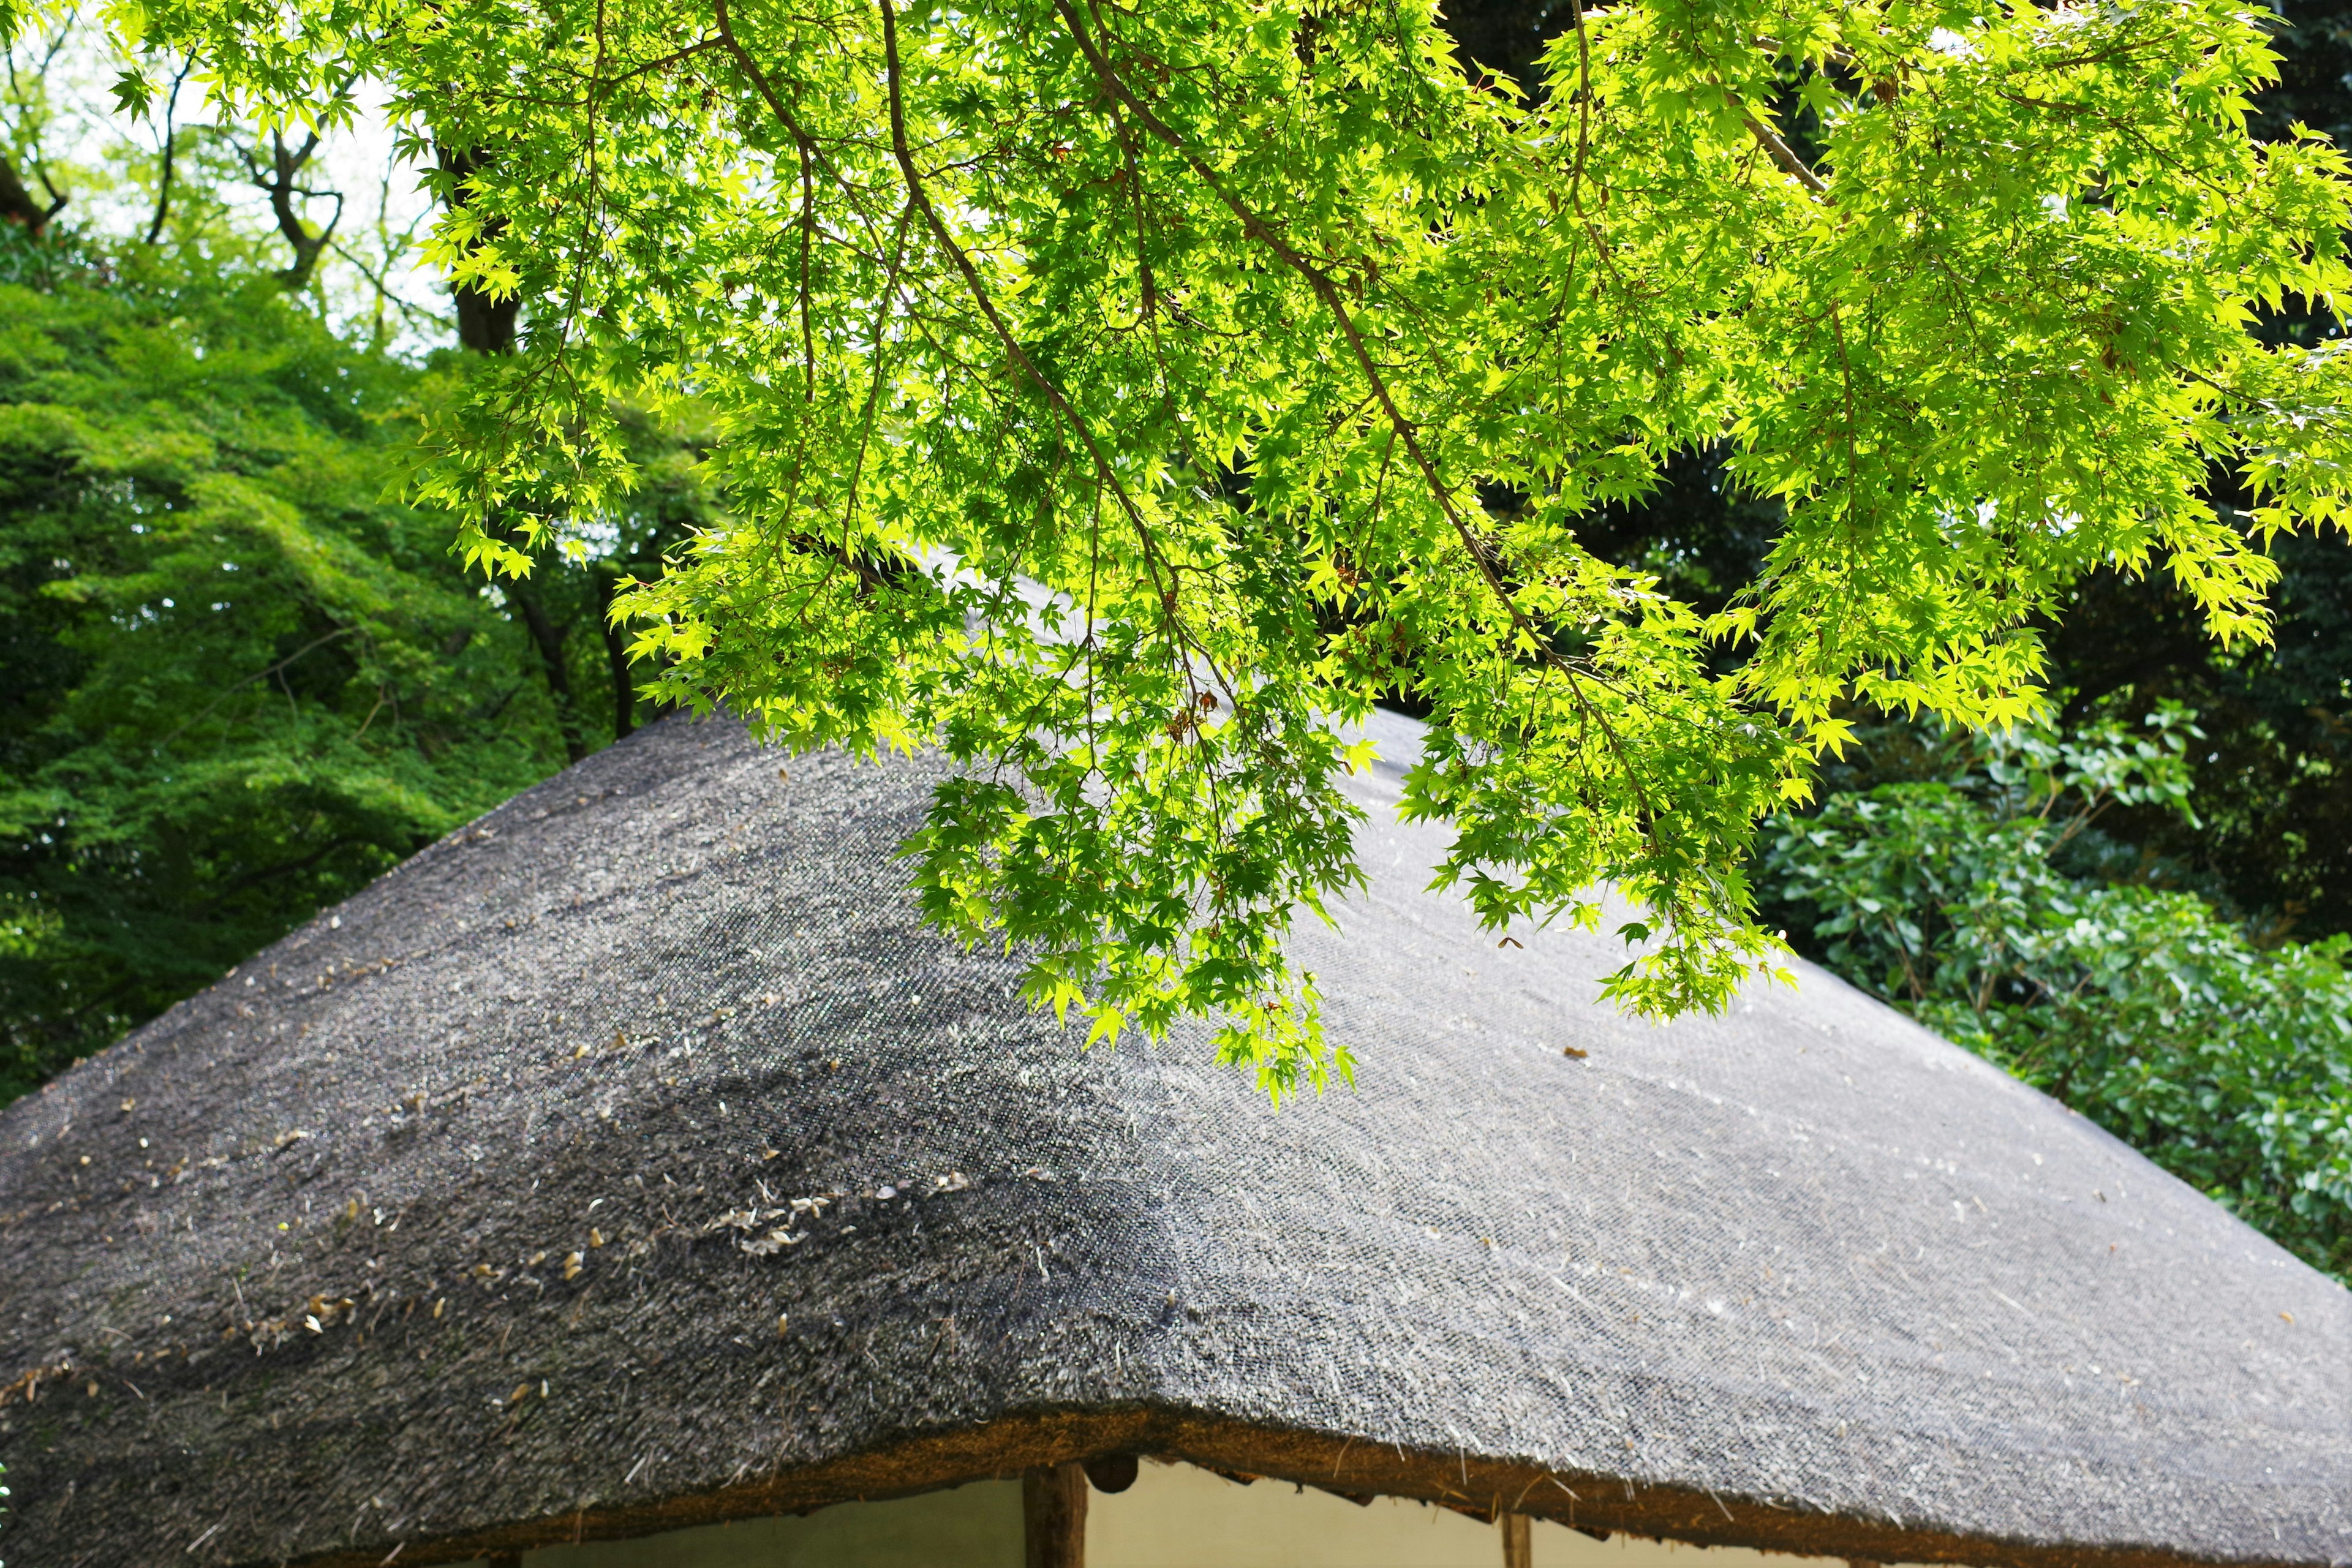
point(978, 289)
point(1782, 154)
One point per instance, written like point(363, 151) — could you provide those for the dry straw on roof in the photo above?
point(635, 1158)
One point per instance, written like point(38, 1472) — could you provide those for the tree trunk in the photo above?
point(550, 642)
point(18, 205)
point(285, 165)
point(616, 655)
point(486, 326)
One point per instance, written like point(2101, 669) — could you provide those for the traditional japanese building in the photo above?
point(631, 1181)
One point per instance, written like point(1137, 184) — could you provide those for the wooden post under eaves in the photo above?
point(1518, 1541)
point(1054, 1516)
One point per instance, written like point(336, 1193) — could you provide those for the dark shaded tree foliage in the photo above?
point(2271, 840)
point(2273, 834)
point(241, 683)
point(1931, 873)
point(2036, 898)
point(1985, 898)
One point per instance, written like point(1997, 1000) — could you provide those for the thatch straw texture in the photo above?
point(635, 1158)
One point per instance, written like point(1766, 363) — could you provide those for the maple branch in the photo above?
point(1107, 476)
point(1326, 290)
point(1782, 154)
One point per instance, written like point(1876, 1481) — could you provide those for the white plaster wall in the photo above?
point(1178, 1517)
point(1173, 1517)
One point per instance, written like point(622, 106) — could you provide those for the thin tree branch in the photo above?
point(1782, 154)
point(171, 141)
point(1061, 405)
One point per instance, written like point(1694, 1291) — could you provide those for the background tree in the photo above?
point(2099, 907)
point(1986, 897)
point(242, 683)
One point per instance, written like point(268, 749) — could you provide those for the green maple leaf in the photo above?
point(134, 94)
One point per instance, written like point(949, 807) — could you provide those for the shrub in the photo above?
point(1982, 904)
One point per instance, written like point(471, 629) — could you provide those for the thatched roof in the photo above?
point(635, 1158)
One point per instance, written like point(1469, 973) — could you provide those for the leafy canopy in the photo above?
point(1123, 397)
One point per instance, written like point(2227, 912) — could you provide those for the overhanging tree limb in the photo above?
point(1207, 273)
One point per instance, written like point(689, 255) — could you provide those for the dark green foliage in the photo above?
point(2273, 778)
point(2314, 39)
point(2082, 956)
point(1507, 35)
point(1988, 904)
point(241, 684)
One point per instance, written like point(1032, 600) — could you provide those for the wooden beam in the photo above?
point(1518, 1541)
point(1054, 1516)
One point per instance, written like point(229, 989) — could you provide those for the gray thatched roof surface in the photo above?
point(468, 1216)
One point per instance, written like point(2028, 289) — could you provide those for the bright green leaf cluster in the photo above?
point(1123, 398)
